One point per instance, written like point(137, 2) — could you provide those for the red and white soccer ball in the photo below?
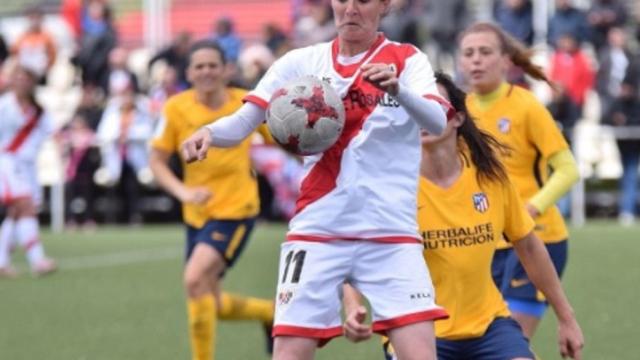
point(306, 116)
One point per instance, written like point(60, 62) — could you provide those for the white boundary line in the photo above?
point(119, 258)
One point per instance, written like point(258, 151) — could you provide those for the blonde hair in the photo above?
point(519, 54)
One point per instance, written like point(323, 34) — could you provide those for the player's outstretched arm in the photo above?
point(428, 113)
point(158, 162)
point(225, 132)
point(537, 263)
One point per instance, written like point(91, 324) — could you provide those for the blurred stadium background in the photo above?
point(118, 295)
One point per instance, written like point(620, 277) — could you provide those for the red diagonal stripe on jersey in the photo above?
point(322, 177)
point(23, 133)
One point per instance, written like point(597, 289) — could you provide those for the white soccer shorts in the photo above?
point(15, 180)
point(393, 277)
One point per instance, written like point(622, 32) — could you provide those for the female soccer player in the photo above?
point(356, 214)
point(517, 119)
point(465, 204)
point(24, 126)
point(219, 197)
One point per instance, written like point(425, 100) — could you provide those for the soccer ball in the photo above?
point(306, 116)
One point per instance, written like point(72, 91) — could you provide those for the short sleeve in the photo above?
point(281, 71)
point(543, 131)
point(166, 135)
point(418, 75)
point(518, 222)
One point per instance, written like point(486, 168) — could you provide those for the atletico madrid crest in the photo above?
point(504, 125)
point(480, 202)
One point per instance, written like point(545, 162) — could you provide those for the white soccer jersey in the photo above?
point(365, 186)
point(21, 138)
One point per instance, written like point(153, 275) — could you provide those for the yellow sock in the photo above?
point(234, 307)
point(202, 326)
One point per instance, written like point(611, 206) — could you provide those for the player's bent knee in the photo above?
point(195, 283)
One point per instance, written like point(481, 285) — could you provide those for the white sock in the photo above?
point(6, 241)
point(28, 233)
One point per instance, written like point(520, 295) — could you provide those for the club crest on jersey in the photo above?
point(480, 202)
point(504, 125)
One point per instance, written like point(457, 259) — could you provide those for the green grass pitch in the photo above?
point(118, 295)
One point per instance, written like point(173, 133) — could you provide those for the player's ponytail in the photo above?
point(519, 54)
point(482, 147)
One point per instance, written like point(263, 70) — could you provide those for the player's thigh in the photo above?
point(294, 348)
point(503, 340)
point(309, 290)
point(396, 281)
point(414, 341)
point(204, 265)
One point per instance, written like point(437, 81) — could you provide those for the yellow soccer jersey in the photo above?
point(227, 172)
point(460, 227)
point(520, 121)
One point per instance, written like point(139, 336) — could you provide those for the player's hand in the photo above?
point(533, 211)
point(195, 195)
point(570, 338)
point(382, 76)
point(196, 146)
point(354, 327)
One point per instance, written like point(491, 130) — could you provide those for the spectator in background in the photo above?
point(625, 111)
point(96, 42)
point(163, 90)
point(175, 55)
point(316, 25)
point(568, 19)
point(224, 34)
point(614, 59)
point(401, 24)
point(123, 132)
point(445, 20)
point(82, 158)
point(275, 39)
point(254, 62)
point(571, 71)
point(516, 18)
point(118, 71)
point(91, 106)
point(602, 16)
point(35, 48)
point(71, 13)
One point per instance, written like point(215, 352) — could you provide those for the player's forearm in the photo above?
point(231, 130)
point(164, 176)
point(351, 298)
point(428, 113)
point(565, 174)
point(540, 270)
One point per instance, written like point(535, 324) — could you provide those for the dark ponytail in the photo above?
point(482, 146)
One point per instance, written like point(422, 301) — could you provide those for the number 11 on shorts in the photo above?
point(298, 258)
